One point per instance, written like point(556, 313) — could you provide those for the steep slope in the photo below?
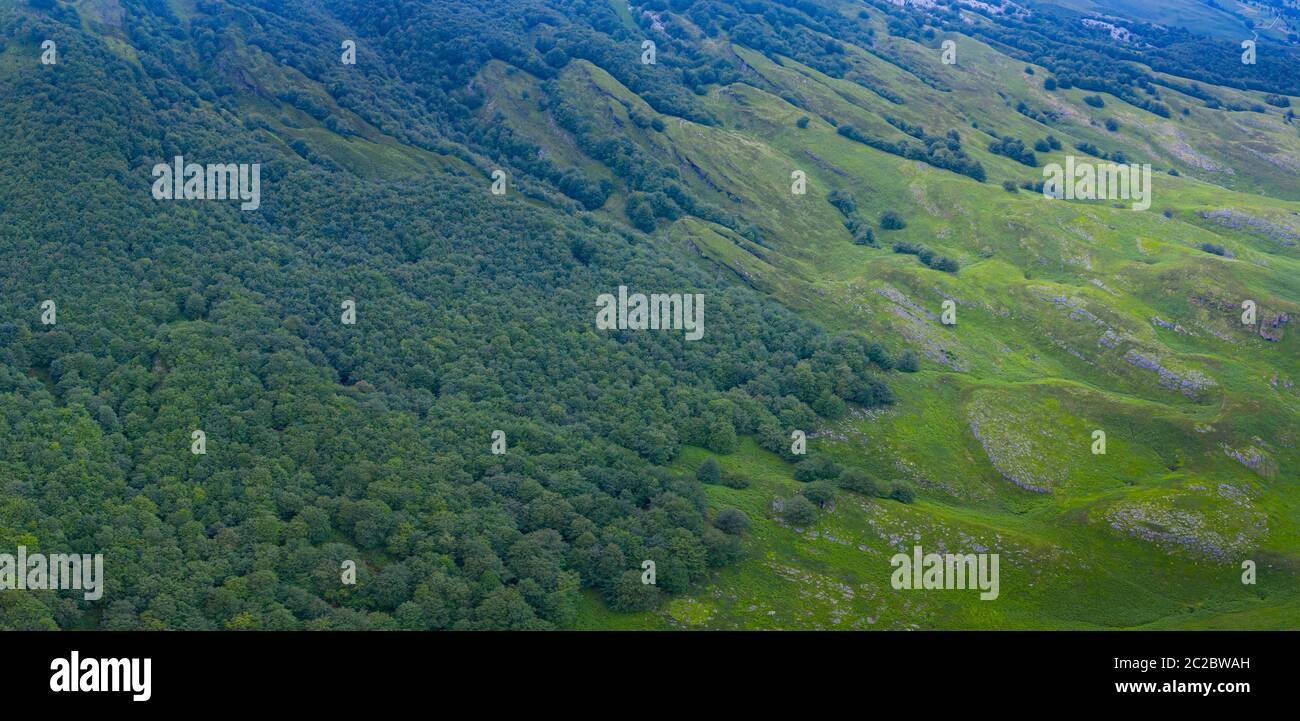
point(1073, 318)
point(675, 176)
point(234, 405)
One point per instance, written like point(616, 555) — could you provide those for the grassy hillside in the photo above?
point(1073, 317)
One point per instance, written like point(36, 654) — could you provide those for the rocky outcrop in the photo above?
point(1188, 382)
point(1227, 530)
point(1237, 220)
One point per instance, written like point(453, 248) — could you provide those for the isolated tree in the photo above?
point(709, 472)
point(800, 511)
point(733, 521)
point(903, 493)
point(858, 482)
point(819, 492)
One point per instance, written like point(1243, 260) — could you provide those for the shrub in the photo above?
point(927, 256)
point(816, 469)
point(733, 521)
point(734, 480)
point(819, 492)
point(628, 594)
point(800, 511)
point(858, 482)
point(877, 354)
point(943, 263)
point(709, 472)
point(902, 493)
point(1090, 149)
point(641, 213)
point(843, 202)
point(889, 220)
point(1015, 149)
point(721, 548)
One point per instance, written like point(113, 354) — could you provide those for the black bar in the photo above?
point(223, 672)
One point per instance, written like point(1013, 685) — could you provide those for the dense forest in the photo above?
point(329, 442)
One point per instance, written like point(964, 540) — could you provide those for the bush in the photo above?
point(1112, 124)
point(1010, 186)
point(628, 594)
point(907, 362)
point(1095, 101)
point(819, 492)
point(889, 220)
point(843, 202)
point(816, 469)
point(927, 256)
point(641, 213)
point(733, 521)
point(800, 511)
point(943, 263)
point(877, 354)
point(1049, 84)
point(721, 548)
point(1090, 149)
point(557, 58)
point(1015, 149)
point(734, 480)
point(802, 122)
point(902, 493)
point(858, 482)
point(709, 472)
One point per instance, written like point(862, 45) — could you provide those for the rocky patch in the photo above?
point(1220, 524)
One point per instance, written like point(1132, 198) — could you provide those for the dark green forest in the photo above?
point(369, 442)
